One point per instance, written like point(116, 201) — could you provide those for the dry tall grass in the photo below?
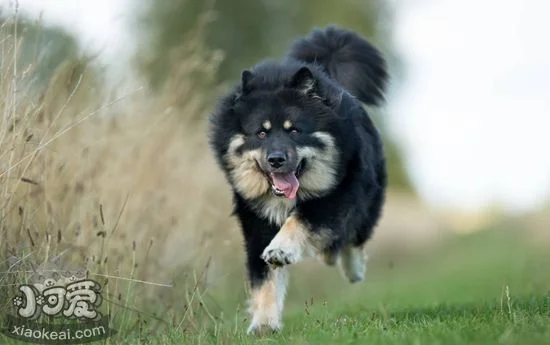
point(121, 185)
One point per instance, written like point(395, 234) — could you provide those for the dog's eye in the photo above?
point(262, 134)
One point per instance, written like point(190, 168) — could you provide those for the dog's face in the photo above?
point(283, 146)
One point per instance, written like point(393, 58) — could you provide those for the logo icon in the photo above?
point(68, 301)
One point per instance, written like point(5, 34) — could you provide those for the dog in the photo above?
point(305, 162)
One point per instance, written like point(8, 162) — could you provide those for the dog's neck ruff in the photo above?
point(275, 209)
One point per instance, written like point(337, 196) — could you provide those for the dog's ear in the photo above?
point(246, 78)
point(304, 81)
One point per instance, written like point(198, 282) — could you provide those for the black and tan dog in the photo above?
point(304, 161)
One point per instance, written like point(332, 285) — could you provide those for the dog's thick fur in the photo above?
point(304, 161)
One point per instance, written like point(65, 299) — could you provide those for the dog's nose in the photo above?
point(276, 159)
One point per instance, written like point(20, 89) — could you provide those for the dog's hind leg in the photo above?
point(353, 262)
point(330, 253)
point(329, 257)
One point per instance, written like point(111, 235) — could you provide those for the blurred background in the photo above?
point(104, 159)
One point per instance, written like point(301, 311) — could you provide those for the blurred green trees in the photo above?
point(247, 31)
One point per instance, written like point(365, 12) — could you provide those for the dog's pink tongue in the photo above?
point(287, 183)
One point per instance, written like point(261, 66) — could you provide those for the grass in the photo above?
point(470, 291)
point(486, 288)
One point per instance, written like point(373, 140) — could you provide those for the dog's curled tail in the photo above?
point(347, 58)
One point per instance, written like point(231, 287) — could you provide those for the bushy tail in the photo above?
point(347, 58)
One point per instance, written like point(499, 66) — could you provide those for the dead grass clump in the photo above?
point(121, 185)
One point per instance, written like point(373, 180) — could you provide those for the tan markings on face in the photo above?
point(267, 300)
point(267, 125)
point(246, 177)
point(320, 174)
point(235, 142)
point(287, 124)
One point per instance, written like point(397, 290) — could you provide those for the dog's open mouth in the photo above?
point(286, 184)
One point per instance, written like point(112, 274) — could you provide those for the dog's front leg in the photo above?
point(293, 242)
point(268, 286)
point(267, 302)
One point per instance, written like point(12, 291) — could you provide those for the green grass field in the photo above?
point(487, 288)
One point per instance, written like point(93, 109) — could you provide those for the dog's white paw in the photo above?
point(282, 251)
point(266, 327)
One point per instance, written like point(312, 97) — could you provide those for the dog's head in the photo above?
point(277, 138)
